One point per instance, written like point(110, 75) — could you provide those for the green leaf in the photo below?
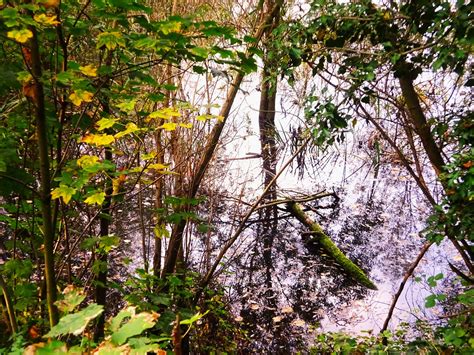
point(135, 326)
point(193, 319)
point(105, 123)
point(430, 301)
point(127, 106)
point(116, 322)
point(63, 191)
point(97, 197)
point(110, 40)
point(76, 323)
point(73, 297)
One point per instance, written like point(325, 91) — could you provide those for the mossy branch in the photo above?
point(317, 234)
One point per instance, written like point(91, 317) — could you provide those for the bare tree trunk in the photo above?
point(266, 119)
point(45, 177)
point(104, 226)
point(177, 235)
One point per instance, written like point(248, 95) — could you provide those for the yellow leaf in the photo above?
point(206, 117)
point(129, 128)
point(117, 184)
point(157, 166)
point(387, 15)
point(46, 20)
point(88, 70)
point(63, 191)
point(98, 139)
point(169, 27)
point(80, 96)
point(186, 125)
point(165, 113)
point(87, 160)
point(148, 156)
point(105, 123)
point(21, 36)
point(98, 198)
point(168, 126)
point(203, 117)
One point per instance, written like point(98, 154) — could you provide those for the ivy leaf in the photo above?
point(135, 326)
point(105, 123)
point(46, 20)
point(76, 323)
point(88, 70)
point(63, 191)
point(80, 96)
point(97, 197)
point(98, 139)
point(21, 36)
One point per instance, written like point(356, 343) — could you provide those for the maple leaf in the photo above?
point(98, 139)
point(129, 128)
point(110, 40)
point(88, 70)
point(63, 191)
point(87, 160)
point(80, 96)
point(105, 123)
point(157, 166)
point(127, 106)
point(168, 126)
point(165, 113)
point(46, 20)
point(21, 36)
point(97, 197)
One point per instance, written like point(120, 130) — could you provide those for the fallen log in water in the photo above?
point(318, 235)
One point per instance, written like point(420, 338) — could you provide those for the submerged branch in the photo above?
point(408, 274)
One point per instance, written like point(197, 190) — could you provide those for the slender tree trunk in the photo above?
point(420, 123)
point(104, 225)
point(177, 235)
point(266, 120)
point(45, 177)
point(101, 279)
point(9, 305)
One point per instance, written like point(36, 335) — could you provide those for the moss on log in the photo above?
point(318, 235)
